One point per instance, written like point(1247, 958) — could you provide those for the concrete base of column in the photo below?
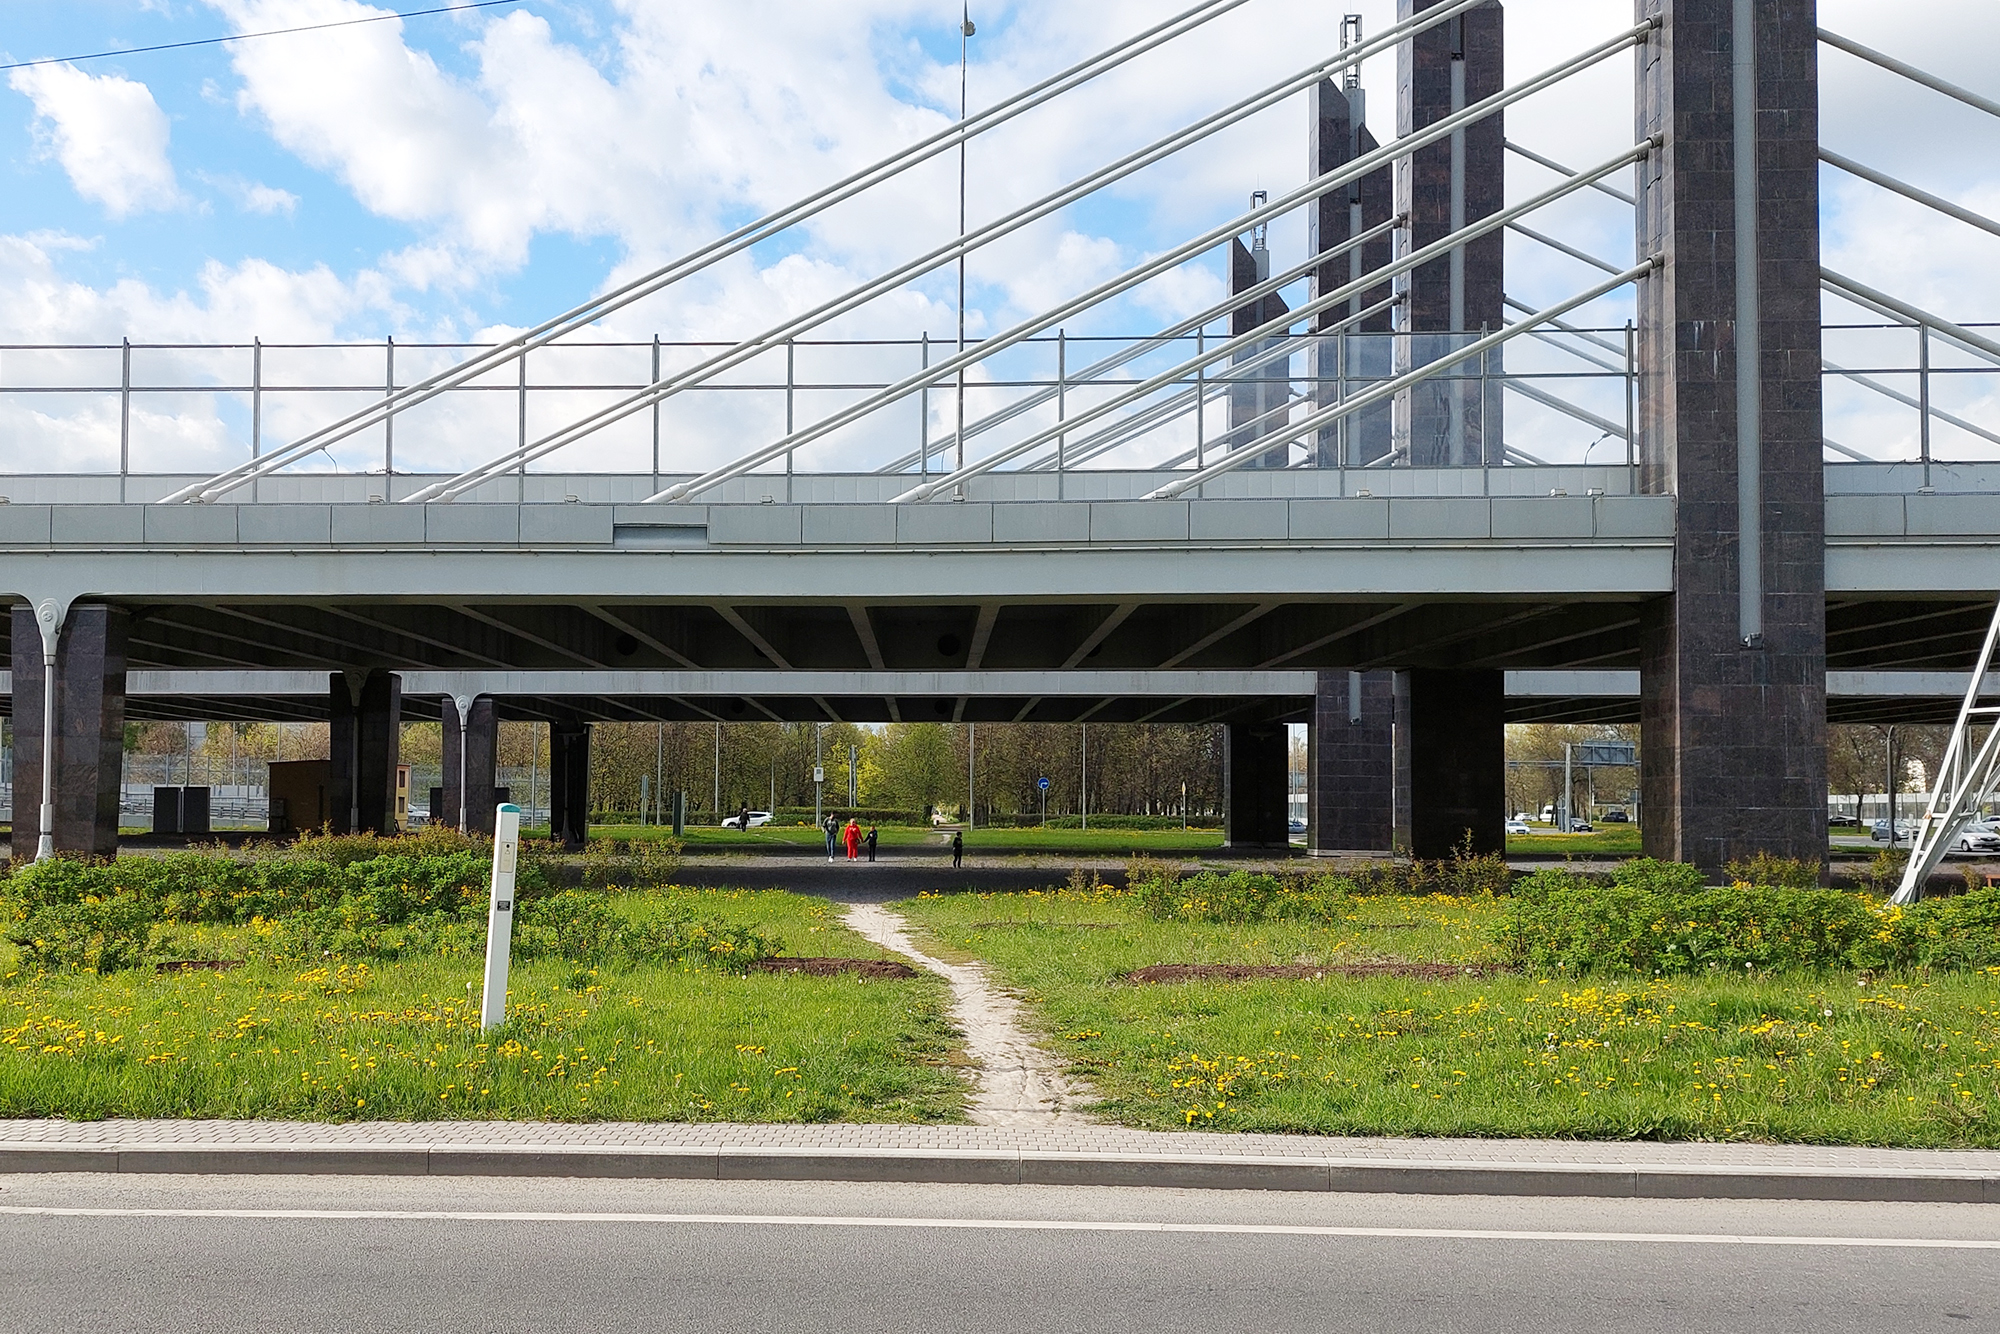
point(1254, 768)
point(1351, 764)
point(1455, 749)
point(569, 784)
point(364, 748)
point(90, 730)
point(480, 739)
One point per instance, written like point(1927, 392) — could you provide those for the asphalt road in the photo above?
point(673, 1256)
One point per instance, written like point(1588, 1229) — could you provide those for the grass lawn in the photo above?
point(1061, 842)
point(1803, 1058)
point(1616, 840)
point(400, 1040)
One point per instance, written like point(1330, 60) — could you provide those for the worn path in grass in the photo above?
point(1019, 1083)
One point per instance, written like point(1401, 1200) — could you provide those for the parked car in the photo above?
point(757, 818)
point(1905, 831)
point(1617, 815)
point(1582, 827)
point(1518, 826)
point(1977, 838)
point(1296, 825)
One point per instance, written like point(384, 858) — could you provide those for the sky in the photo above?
point(457, 177)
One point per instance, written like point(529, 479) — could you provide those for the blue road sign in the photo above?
point(1042, 783)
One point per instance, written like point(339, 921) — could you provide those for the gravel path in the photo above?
point(1019, 1084)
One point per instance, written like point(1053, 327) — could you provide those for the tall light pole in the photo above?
point(965, 31)
point(971, 758)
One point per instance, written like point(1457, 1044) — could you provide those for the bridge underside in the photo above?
point(1031, 662)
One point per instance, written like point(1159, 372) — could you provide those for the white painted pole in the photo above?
point(49, 618)
point(500, 915)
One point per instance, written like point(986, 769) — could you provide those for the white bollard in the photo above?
point(500, 915)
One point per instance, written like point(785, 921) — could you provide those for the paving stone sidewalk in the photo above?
point(1063, 1139)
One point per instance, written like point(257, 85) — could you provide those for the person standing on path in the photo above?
point(872, 836)
point(829, 827)
point(957, 848)
point(853, 836)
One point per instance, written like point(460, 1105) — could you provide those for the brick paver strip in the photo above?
point(1067, 1154)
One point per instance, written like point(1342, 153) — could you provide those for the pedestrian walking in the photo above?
point(957, 848)
point(743, 820)
point(853, 836)
point(830, 827)
point(872, 836)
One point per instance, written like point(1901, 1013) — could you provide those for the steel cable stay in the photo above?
point(1437, 249)
point(756, 345)
point(1833, 283)
point(722, 248)
point(1965, 780)
point(1180, 404)
point(1126, 355)
point(759, 344)
point(1390, 388)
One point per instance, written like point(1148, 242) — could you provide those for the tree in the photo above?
point(1856, 761)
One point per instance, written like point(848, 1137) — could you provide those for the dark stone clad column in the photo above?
point(1351, 772)
point(480, 737)
point(1451, 299)
point(1254, 768)
point(1267, 387)
point(90, 730)
point(1732, 735)
point(569, 784)
point(364, 746)
point(1455, 741)
point(1338, 134)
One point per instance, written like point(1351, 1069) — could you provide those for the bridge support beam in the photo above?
point(1351, 764)
point(1452, 738)
point(364, 736)
point(470, 746)
point(569, 784)
point(89, 730)
point(1255, 763)
point(1452, 420)
point(1733, 669)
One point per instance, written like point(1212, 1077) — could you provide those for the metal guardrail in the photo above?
point(1895, 393)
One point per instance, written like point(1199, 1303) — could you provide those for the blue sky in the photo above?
point(457, 175)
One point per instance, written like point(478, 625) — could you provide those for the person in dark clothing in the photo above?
point(957, 848)
point(872, 835)
point(831, 828)
point(743, 820)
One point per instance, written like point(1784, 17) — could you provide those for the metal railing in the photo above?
point(1896, 393)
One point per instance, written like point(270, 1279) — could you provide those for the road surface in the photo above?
point(366, 1254)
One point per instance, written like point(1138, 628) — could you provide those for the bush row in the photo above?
point(350, 898)
point(1658, 917)
point(1166, 892)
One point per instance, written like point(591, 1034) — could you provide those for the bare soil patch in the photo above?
point(1244, 972)
point(878, 968)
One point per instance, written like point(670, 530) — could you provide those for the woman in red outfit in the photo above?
point(853, 836)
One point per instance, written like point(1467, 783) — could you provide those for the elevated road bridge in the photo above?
point(1357, 493)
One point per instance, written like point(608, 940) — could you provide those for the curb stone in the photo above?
point(1014, 1167)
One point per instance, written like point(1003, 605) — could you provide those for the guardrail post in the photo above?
point(1924, 400)
point(500, 916)
point(256, 406)
point(124, 416)
point(1062, 403)
point(389, 420)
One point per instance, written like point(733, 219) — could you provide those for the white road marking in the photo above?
point(1017, 1225)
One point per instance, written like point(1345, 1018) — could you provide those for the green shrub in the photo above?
point(1646, 921)
point(1243, 896)
point(1784, 872)
point(92, 935)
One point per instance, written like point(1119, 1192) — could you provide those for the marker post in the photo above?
point(500, 915)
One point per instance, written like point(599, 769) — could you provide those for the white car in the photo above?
point(757, 818)
point(1518, 826)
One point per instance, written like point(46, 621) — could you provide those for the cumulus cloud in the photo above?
point(107, 132)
